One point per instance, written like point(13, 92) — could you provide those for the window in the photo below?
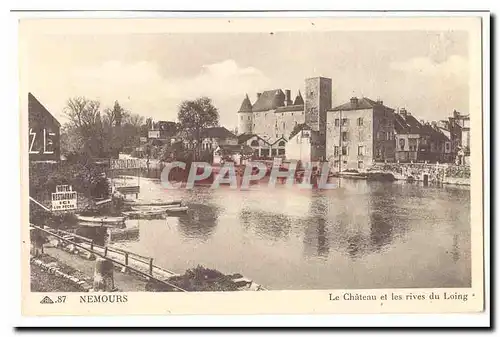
point(254, 143)
point(296, 123)
point(360, 121)
point(360, 164)
point(284, 125)
point(248, 117)
point(281, 152)
point(337, 122)
point(402, 144)
point(344, 136)
point(344, 121)
point(282, 143)
point(360, 150)
point(336, 151)
point(345, 150)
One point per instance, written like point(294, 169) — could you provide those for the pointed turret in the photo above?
point(298, 100)
point(246, 106)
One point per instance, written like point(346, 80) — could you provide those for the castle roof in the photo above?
point(246, 105)
point(360, 103)
point(269, 100)
point(298, 100)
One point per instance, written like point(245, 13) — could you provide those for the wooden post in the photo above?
point(124, 268)
point(105, 251)
point(151, 266)
point(92, 245)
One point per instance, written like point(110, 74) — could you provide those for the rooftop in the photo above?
point(360, 103)
point(217, 132)
point(269, 100)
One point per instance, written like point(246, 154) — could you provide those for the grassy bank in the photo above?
point(41, 281)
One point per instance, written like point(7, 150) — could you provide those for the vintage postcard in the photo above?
point(253, 165)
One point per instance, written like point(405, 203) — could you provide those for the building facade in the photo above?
point(359, 133)
point(44, 132)
point(407, 130)
point(304, 145)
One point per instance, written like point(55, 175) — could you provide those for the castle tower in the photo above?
point(245, 117)
point(318, 101)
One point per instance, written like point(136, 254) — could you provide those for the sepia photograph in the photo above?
point(252, 155)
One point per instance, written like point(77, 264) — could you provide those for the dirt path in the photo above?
point(124, 282)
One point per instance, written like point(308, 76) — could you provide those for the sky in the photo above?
point(151, 74)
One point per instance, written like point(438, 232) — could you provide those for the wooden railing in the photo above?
point(105, 252)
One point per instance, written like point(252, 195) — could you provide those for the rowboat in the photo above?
point(153, 203)
point(102, 219)
point(180, 209)
point(140, 214)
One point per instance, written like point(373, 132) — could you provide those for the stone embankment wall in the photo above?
point(436, 173)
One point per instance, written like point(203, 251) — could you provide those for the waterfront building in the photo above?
point(235, 153)
point(435, 146)
point(260, 147)
point(460, 127)
point(407, 131)
point(211, 138)
point(304, 145)
point(44, 132)
point(359, 133)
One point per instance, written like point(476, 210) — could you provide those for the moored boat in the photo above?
point(102, 219)
point(180, 209)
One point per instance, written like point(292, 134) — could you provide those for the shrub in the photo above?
point(197, 279)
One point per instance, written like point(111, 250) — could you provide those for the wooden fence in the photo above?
point(137, 263)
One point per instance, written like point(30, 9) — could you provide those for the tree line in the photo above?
point(97, 133)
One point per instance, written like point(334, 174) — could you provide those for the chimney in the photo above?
point(354, 100)
point(258, 95)
point(403, 112)
point(434, 123)
point(288, 97)
point(380, 102)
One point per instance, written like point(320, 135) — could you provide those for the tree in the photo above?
point(115, 116)
point(85, 122)
point(194, 116)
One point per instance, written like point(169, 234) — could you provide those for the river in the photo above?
point(360, 235)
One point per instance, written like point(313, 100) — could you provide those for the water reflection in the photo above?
point(267, 225)
point(200, 222)
point(363, 234)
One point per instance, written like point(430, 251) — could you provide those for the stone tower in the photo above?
point(245, 117)
point(318, 101)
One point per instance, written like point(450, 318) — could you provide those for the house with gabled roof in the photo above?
point(359, 133)
point(407, 130)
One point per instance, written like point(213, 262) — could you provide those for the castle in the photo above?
point(353, 135)
point(274, 115)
